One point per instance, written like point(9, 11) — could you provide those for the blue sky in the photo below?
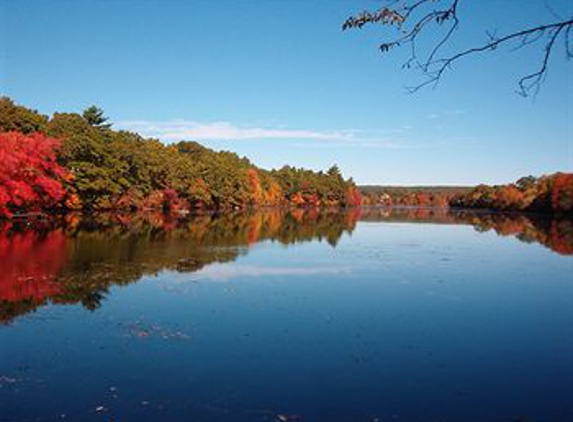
point(277, 81)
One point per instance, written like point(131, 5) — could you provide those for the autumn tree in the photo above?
point(256, 189)
point(199, 194)
point(562, 193)
point(30, 178)
point(122, 170)
point(508, 198)
point(547, 194)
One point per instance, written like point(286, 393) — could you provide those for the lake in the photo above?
point(364, 315)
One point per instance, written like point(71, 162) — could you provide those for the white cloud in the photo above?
point(455, 112)
point(446, 113)
point(177, 130)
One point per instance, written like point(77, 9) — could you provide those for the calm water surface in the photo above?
point(372, 315)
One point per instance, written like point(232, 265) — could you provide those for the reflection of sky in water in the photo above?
point(398, 322)
point(229, 272)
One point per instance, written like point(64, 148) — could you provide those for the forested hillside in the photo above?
point(79, 162)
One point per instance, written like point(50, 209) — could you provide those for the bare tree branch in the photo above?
point(401, 15)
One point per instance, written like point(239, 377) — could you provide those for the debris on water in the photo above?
point(140, 330)
point(287, 418)
point(4, 379)
point(100, 409)
point(144, 403)
point(114, 392)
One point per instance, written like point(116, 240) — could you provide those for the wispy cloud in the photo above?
point(447, 113)
point(176, 130)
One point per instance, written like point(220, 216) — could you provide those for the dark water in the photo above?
point(372, 315)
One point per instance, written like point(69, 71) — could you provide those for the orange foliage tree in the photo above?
point(508, 197)
point(255, 188)
point(273, 194)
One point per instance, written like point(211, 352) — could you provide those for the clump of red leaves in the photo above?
point(30, 177)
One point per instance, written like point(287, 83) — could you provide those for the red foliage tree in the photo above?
point(353, 197)
point(423, 199)
point(312, 200)
point(171, 201)
point(562, 192)
point(30, 178)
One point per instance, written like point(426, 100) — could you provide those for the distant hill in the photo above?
point(411, 195)
point(414, 189)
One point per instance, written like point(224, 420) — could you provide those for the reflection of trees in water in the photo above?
point(29, 263)
point(77, 260)
point(555, 234)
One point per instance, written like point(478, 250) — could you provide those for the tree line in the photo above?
point(77, 161)
point(549, 194)
point(417, 196)
point(546, 194)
